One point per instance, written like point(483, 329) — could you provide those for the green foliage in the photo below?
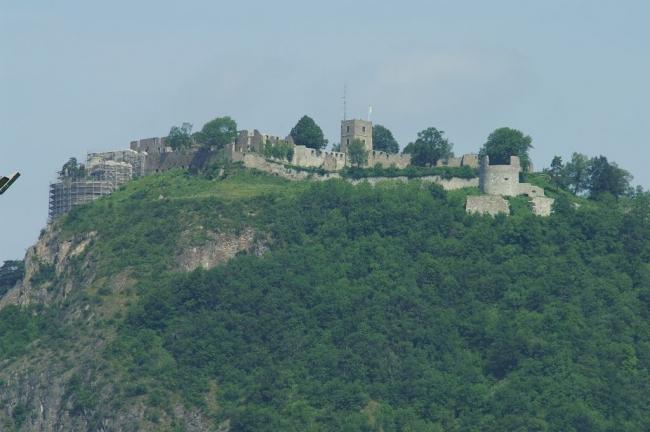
point(179, 137)
point(505, 142)
point(383, 308)
point(217, 133)
point(595, 176)
point(388, 308)
point(45, 273)
point(72, 169)
point(10, 273)
point(383, 140)
point(607, 178)
point(17, 329)
point(306, 132)
point(280, 150)
point(410, 172)
point(357, 153)
point(429, 148)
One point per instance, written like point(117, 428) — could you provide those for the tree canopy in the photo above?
point(357, 153)
point(73, 169)
point(218, 132)
point(180, 137)
point(429, 147)
point(306, 132)
point(10, 273)
point(505, 142)
point(595, 176)
point(383, 140)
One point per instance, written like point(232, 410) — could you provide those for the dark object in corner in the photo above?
point(5, 182)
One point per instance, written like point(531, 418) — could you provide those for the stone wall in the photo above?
point(254, 141)
point(500, 179)
point(192, 158)
point(387, 160)
point(447, 184)
point(487, 204)
point(150, 145)
point(469, 159)
point(542, 206)
point(308, 157)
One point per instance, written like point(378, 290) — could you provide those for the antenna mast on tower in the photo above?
point(345, 102)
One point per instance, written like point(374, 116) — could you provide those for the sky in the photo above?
point(79, 76)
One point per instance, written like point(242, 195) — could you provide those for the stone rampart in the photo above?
point(469, 159)
point(542, 206)
point(311, 158)
point(182, 159)
point(387, 160)
point(447, 184)
point(487, 204)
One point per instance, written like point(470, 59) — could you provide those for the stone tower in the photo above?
point(500, 179)
point(356, 129)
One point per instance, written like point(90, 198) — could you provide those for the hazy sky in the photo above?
point(78, 76)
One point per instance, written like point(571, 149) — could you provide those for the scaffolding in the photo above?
point(118, 173)
point(134, 158)
point(68, 193)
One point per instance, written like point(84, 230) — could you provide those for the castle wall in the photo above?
point(386, 160)
point(487, 204)
point(542, 206)
point(469, 159)
point(308, 157)
point(447, 184)
point(500, 179)
point(149, 145)
point(451, 162)
point(187, 159)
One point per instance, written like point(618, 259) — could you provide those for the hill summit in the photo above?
point(234, 300)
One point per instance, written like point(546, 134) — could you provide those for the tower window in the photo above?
point(363, 128)
point(348, 129)
point(348, 141)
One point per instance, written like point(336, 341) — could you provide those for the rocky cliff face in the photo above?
point(69, 387)
point(46, 261)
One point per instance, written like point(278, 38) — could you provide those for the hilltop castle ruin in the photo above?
point(105, 172)
point(498, 181)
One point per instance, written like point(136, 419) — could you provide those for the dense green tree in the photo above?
point(429, 147)
point(556, 171)
point(179, 137)
point(383, 140)
point(306, 132)
point(606, 177)
point(218, 132)
point(357, 153)
point(279, 150)
point(505, 142)
point(10, 273)
point(576, 173)
point(73, 169)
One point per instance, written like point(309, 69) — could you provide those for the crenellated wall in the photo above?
point(387, 160)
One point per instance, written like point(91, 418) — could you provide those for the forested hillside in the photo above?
point(361, 308)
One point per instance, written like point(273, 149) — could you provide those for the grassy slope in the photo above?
point(376, 309)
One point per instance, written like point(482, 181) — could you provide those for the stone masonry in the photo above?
point(503, 181)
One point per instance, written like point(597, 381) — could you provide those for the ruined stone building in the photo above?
point(255, 141)
point(102, 177)
point(498, 181)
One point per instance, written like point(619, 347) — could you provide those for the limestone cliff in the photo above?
point(67, 387)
